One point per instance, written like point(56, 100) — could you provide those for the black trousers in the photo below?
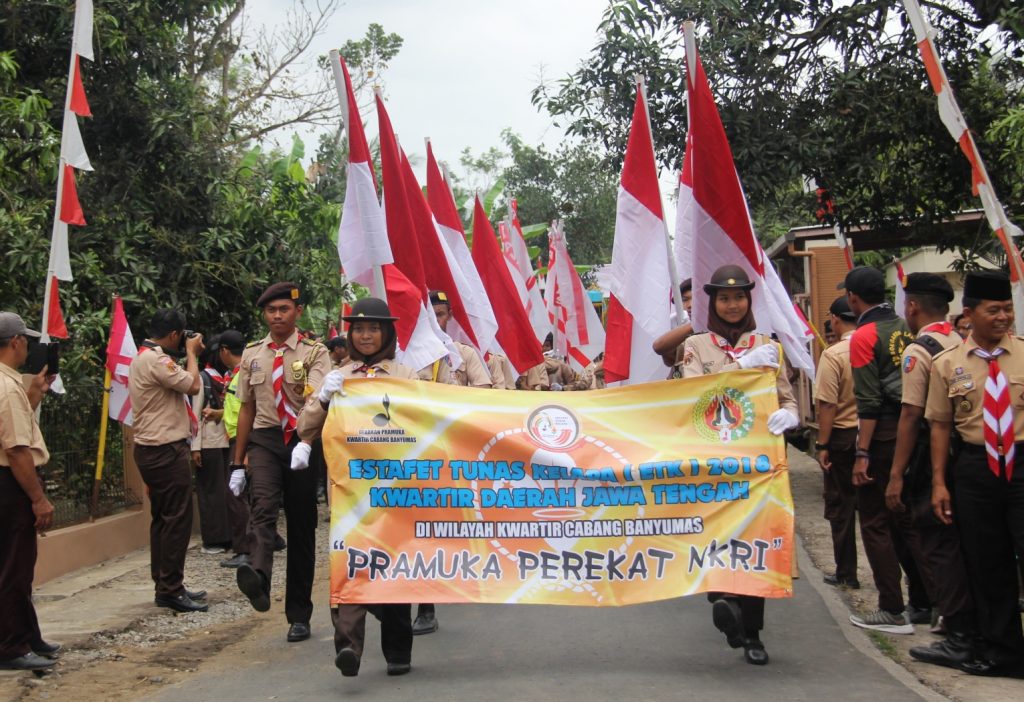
point(395, 629)
point(273, 484)
point(751, 608)
point(989, 514)
point(841, 501)
point(19, 627)
point(167, 473)
point(238, 511)
point(212, 493)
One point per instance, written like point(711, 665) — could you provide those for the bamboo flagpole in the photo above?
point(101, 450)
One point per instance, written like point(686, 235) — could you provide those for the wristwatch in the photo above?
point(820, 447)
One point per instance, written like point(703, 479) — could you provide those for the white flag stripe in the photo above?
point(470, 289)
point(72, 147)
point(362, 234)
point(82, 33)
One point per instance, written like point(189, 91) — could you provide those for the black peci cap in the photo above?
point(864, 281)
point(840, 307)
point(929, 284)
point(370, 309)
point(280, 291)
point(987, 285)
point(729, 278)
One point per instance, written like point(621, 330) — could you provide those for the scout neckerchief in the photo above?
point(733, 352)
point(998, 415)
point(285, 413)
point(371, 371)
point(940, 327)
point(193, 423)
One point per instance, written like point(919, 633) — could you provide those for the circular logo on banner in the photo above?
point(553, 427)
point(723, 414)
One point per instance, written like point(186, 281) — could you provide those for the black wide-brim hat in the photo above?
point(729, 278)
point(370, 309)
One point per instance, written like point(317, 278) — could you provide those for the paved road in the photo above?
point(661, 651)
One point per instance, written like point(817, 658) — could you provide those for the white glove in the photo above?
point(782, 420)
point(333, 382)
point(236, 483)
point(764, 356)
point(300, 455)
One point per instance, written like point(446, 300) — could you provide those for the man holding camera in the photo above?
point(163, 428)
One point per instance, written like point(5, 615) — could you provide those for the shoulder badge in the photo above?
point(908, 364)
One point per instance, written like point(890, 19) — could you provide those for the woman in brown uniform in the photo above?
point(372, 345)
point(731, 344)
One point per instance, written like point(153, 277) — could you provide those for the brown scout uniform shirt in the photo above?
point(502, 374)
point(313, 415)
point(834, 383)
point(472, 372)
point(18, 426)
point(437, 372)
point(956, 390)
point(535, 378)
point(155, 386)
point(306, 363)
point(211, 434)
point(917, 364)
point(702, 356)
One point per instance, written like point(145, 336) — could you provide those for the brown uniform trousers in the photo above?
point(19, 628)
point(841, 501)
point(212, 495)
point(395, 629)
point(166, 470)
point(238, 512)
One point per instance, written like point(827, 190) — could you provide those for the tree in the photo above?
point(831, 90)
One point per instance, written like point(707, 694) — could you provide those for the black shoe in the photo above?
point(239, 559)
point(951, 652)
point(919, 615)
point(399, 668)
point(836, 581)
point(180, 603)
point(347, 661)
point(753, 651)
point(279, 543)
point(253, 585)
point(729, 620)
point(298, 631)
point(197, 595)
point(992, 669)
point(29, 661)
point(46, 650)
point(426, 623)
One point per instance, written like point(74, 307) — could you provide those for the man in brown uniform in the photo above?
point(977, 388)
point(837, 441)
point(502, 374)
point(276, 376)
point(535, 378)
point(472, 372)
point(24, 509)
point(162, 431)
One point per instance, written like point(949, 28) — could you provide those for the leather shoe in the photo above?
point(347, 661)
point(990, 668)
point(951, 652)
point(279, 543)
point(196, 595)
point(729, 620)
point(919, 615)
point(836, 581)
point(253, 585)
point(399, 668)
point(753, 651)
point(180, 603)
point(426, 623)
point(29, 661)
point(239, 559)
point(298, 631)
point(46, 650)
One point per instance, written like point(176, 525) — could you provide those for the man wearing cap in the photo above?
point(162, 430)
point(875, 350)
point(24, 509)
point(276, 375)
point(231, 346)
point(472, 373)
point(977, 388)
point(837, 439)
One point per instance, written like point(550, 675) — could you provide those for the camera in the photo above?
point(43, 355)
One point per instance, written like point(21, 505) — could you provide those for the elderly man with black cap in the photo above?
point(875, 350)
point(977, 389)
point(837, 439)
point(276, 375)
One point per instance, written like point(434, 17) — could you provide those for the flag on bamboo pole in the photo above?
point(449, 226)
point(56, 326)
point(578, 334)
point(515, 334)
point(900, 301)
point(640, 284)
point(715, 226)
point(121, 351)
point(953, 119)
point(517, 257)
point(422, 342)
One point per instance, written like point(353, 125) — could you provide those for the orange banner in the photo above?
point(600, 498)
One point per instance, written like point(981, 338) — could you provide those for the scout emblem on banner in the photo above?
point(604, 498)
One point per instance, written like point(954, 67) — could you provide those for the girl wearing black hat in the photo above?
point(731, 344)
point(372, 340)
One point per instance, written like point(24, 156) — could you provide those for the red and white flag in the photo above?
point(639, 278)
point(467, 280)
point(121, 351)
point(517, 257)
point(578, 332)
point(56, 326)
point(515, 335)
point(901, 283)
point(713, 226)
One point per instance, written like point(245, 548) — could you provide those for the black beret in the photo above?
point(929, 284)
point(987, 285)
point(280, 291)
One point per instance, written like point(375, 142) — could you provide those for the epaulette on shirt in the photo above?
point(254, 343)
point(943, 352)
point(309, 342)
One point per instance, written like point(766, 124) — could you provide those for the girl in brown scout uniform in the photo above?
point(372, 344)
point(731, 344)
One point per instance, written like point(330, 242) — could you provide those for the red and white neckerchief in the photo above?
point(215, 374)
point(734, 352)
point(284, 408)
point(998, 415)
point(944, 328)
point(371, 371)
point(193, 422)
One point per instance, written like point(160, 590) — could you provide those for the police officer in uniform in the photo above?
point(276, 375)
point(731, 344)
point(977, 389)
point(372, 345)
